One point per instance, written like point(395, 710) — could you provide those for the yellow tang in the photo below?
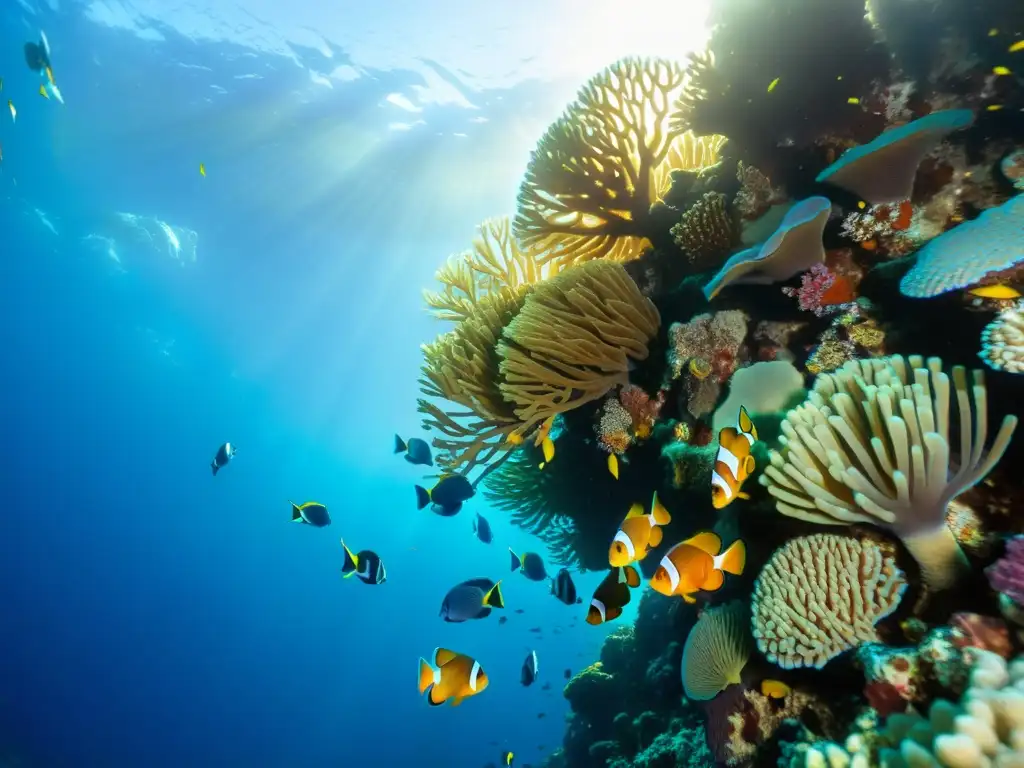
point(773, 83)
point(997, 291)
point(853, 100)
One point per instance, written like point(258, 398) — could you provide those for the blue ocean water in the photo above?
point(150, 614)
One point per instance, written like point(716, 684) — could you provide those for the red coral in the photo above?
point(986, 632)
point(885, 698)
point(820, 290)
point(1007, 574)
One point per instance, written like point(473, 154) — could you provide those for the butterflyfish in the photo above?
point(612, 594)
point(613, 465)
point(695, 564)
point(734, 463)
point(774, 689)
point(997, 291)
point(528, 674)
point(639, 533)
point(531, 565)
point(482, 529)
point(563, 588)
point(447, 496)
point(451, 677)
point(311, 513)
point(366, 566)
point(472, 599)
point(416, 450)
point(220, 459)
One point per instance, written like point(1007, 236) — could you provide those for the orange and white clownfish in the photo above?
point(638, 533)
point(695, 564)
point(612, 594)
point(451, 677)
point(733, 464)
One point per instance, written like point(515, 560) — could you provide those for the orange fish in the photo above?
point(733, 464)
point(638, 534)
point(612, 594)
point(695, 565)
point(450, 676)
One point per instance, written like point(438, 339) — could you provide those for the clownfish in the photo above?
point(611, 595)
point(451, 677)
point(733, 464)
point(695, 564)
point(638, 534)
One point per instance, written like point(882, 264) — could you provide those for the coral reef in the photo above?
point(706, 231)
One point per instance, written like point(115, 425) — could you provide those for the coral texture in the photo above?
point(716, 651)
point(1002, 341)
point(706, 230)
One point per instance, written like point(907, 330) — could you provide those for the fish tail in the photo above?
point(296, 513)
point(426, 675)
point(351, 561)
point(214, 467)
point(400, 446)
point(517, 563)
point(422, 497)
point(661, 515)
point(494, 598)
point(734, 559)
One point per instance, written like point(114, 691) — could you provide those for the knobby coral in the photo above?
point(706, 231)
point(716, 651)
point(821, 595)
point(1002, 341)
point(598, 168)
point(872, 444)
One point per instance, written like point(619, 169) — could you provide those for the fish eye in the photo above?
point(618, 547)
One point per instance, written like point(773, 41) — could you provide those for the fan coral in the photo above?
point(716, 651)
point(706, 230)
point(714, 338)
point(573, 340)
point(871, 444)
point(883, 170)
point(821, 595)
point(967, 253)
point(1002, 341)
point(599, 167)
point(495, 262)
point(462, 366)
point(794, 248)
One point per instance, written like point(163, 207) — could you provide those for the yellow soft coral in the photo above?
point(599, 167)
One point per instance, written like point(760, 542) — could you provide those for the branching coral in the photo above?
point(573, 340)
point(821, 595)
point(872, 444)
point(495, 262)
point(1002, 341)
point(716, 651)
point(599, 167)
point(706, 231)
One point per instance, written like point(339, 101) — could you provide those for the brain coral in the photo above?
point(821, 595)
point(716, 651)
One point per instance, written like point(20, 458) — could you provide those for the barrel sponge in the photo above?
point(964, 255)
point(821, 595)
point(794, 247)
point(883, 170)
point(574, 339)
point(872, 444)
point(716, 651)
point(1002, 341)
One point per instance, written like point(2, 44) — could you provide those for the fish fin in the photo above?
point(434, 698)
point(351, 563)
point(494, 598)
point(214, 467)
point(296, 513)
point(746, 424)
point(743, 495)
point(749, 464)
point(632, 576)
point(661, 515)
point(456, 700)
point(422, 497)
point(400, 445)
point(656, 537)
point(549, 449)
point(734, 559)
point(714, 581)
point(637, 510)
point(706, 541)
point(426, 675)
point(689, 599)
point(613, 465)
point(517, 563)
point(442, 656)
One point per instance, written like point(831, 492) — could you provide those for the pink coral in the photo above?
point(1007, 574)
point(813, 285)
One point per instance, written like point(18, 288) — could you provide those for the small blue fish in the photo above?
point(482, 529)
point(447, 496)
point(564, 589)
point(311, 513)
point(416, 451)
point(531, 565)
point(366, 566)
point(530, 670)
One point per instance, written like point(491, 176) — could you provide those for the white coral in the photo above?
point(1002, 341)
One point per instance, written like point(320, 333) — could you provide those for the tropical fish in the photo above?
point(447, 496)
point(311, 513)
point(224, 454)
point(563, 588)
point(416, 451)
point(14, 112)
point(450, 676)
point(503, 619)
point(613, 465)
point(638, 534)
point(1001, 71)
point(528, 676)
point(471, 599)
point(543, 439)
point(997, 291)
point(37, 55)
point(366, 566)
point(514, 438)
point(1017, 46)
point(531, 565)
point(696, 564)
point(774, 689)
point(507, 758)
point(734, 464)
point(612, 594)
point(43, 93)
point(853, 100)
point(773, 83)
point(202, 170)
point(482, 529)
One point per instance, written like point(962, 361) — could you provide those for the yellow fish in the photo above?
point(773, 83)
point(993, 32)
point(43, 93)
point(202, 170)
point(1018, 46)
point(774, 689)
point(998, 291)
point(695, 564)
point(733, 464)
point(994, 107)
point(853, 100)
point(1000, 71)
point(544, 440)
point(450, 676)
point(613, 465)
point(514, 438)
point(14, 112)
point(638, 534)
